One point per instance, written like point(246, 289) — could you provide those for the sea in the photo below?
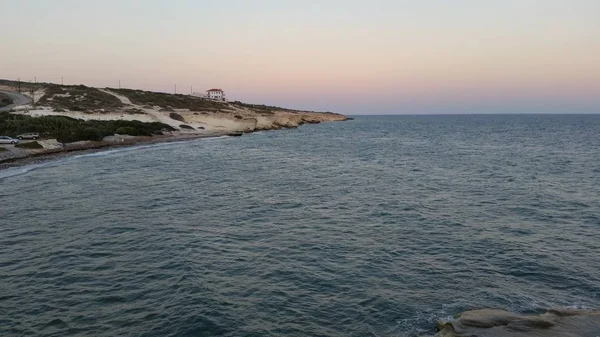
point(378, 226)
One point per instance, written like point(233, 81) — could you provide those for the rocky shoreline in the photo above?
point(501, 323)
point(25, 157)
point(98, 118)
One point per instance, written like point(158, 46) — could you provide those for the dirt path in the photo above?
point(122, 98)
point(17, 98)
point(159, 116)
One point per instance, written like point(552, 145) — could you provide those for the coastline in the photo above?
point(37, 156)
point(51, 154)
point(101, 118)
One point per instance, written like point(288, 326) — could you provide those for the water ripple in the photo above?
point(377, 227)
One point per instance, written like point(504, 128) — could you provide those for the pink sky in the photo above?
point(347, 56)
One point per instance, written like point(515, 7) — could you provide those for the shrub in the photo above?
point(91, 134)
point(238, 117)
point(260, 108)
point(66, 129)
point(171, 101)
point(2, 149)
point(183, 126)
point(79, 98)
point(127, 130)
point(29, 145)
point(176, 117)
point(134, 111)
point(5, 100)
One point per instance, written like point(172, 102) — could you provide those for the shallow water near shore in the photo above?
point(374, 227)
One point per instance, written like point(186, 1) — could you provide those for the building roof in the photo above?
point(215, 90)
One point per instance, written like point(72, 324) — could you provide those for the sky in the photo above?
point(353, 57)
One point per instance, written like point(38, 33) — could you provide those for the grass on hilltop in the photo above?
point(78, 98)
point(88, 99)
point(261, 108)
point(171, 101)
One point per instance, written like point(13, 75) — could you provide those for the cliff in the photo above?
point(185, 114)
point(75, 118)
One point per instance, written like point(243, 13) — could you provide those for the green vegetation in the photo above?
point(171, 101)
point(66, 129)
point(21, 86)
point(87, 99)
point(3, 149)
point(134, 111)
point(176, 117)
point(127, 130)
point(29, 145)
point(260, 108)
point(5, 100)
point(24, 85)
point(78, 98)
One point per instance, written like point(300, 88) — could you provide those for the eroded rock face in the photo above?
point(248, 120)
point(500, 323)
point(285, 120)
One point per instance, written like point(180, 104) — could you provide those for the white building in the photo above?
point(216, 94)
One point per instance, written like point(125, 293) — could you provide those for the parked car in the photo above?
point(8, 140)
point(29, 135)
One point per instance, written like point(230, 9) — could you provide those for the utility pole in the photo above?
point(19, 85)
point(61, 80)
point(190, 90)
point(175, 88)
point(119, 84)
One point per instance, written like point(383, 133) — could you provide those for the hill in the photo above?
point(183, 113)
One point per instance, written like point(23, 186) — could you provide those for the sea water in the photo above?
point(374, 227)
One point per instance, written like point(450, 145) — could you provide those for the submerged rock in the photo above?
point(56, 324)
point(500, 323)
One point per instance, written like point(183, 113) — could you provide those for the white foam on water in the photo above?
point(20, 170)
point(214, 139)
point(15, 171)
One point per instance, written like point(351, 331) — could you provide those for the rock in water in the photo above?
point(56, 324)
point(500, 323)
